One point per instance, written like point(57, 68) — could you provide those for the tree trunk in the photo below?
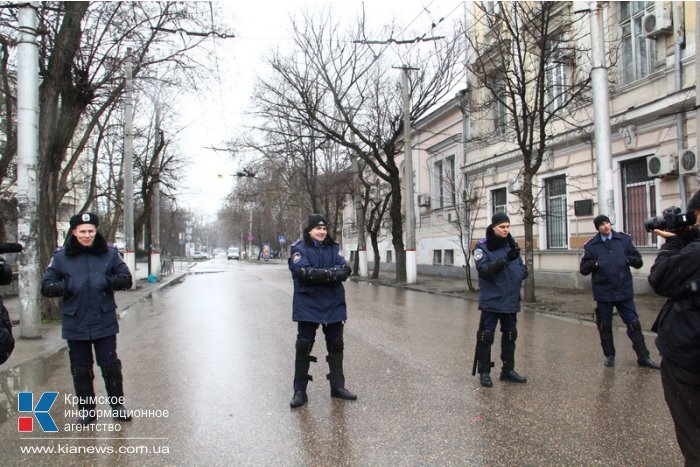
point(397, 231)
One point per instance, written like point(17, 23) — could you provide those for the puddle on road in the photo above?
point(26, 377)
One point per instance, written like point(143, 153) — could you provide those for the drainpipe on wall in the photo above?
point(679, 45)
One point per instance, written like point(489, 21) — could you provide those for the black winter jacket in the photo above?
point(610, 265)
point(86, 278)
point(676, 275)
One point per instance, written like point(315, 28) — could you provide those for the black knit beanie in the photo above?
point(600, 219)
point(499, 218)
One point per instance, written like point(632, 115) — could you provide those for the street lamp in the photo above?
point(247, 173)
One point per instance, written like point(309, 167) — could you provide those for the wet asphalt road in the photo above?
point(217, 350)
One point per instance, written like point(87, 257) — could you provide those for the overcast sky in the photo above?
point(261, 26)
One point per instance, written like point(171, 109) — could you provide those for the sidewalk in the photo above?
point(574, 304)
point(50, 342)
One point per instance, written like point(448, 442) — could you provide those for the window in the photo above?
point(638, 200)
point(444, 182)
point(437, 257)
point(555, 212)
point(449, 257)
point(555, 72)
point(388, 256)
point(638, 52)
point(498, 200)
point(499, 109)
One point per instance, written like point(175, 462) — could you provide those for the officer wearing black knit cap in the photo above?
point(318, 272)
point(85, 272)
point(501, 272)
point(676, 275)
point(608, 255)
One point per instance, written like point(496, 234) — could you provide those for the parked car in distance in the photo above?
point(233, 253)
point(200, 255)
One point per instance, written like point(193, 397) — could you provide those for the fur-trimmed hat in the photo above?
point(600, 219)
point(499, 218)
point(85, 218)
point(315, 220)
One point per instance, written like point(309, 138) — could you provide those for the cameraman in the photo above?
point(676, 275)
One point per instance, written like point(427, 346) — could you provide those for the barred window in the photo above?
point(555, 212)
point(638, 200)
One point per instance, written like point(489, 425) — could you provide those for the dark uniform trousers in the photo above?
point(81, 356)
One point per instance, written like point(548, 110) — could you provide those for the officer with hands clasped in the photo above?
point(318, 272)
point(85, 272)
point(676, 276)
point(608, 256)
point(501, 272)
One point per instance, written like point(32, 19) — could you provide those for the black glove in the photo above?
point(513, 253)
point(54, 289)
point(635, 262)
point(588, 266)
point(119, 282)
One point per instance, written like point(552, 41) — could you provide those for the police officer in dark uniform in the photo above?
point(676, 275)
point(85, 272)
point(501, 272)
point(608, 256)
point(318, 272)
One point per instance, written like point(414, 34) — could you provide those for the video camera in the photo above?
point(6, 269)
point(670, 219)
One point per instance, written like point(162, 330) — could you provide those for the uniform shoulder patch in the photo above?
point(296, 242)
point(296, 257)
point(482, 241)
point(478, 254)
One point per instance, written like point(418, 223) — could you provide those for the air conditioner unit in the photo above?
point(659, 22)
point(515, 184)
point(661, 165)
point(688, 162)
point(423, 200)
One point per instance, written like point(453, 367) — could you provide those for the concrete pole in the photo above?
point(27, 157)
point(154, 257)
point(130, 251)
point(411, 267)
point(601, 114)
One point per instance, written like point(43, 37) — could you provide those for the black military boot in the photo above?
point(115, 391)
point(82, 381)
point(335, 375)
point(484, 339)
point(302, 362)
point(508, 372)
point(634, 331)
point(607, 342)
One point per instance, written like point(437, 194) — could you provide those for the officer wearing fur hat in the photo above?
point(85, 272)
point(676, 276)
point(318, 272)
point(501, 272)
point(608, 256)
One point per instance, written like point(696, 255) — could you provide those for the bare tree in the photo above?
point(81, 50)
point(519, 52)
point(343, 88)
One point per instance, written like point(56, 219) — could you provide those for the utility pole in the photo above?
point(601, 114)
point(411, 268)
point(154, 257)
point(27, 156)
point(130, 251)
